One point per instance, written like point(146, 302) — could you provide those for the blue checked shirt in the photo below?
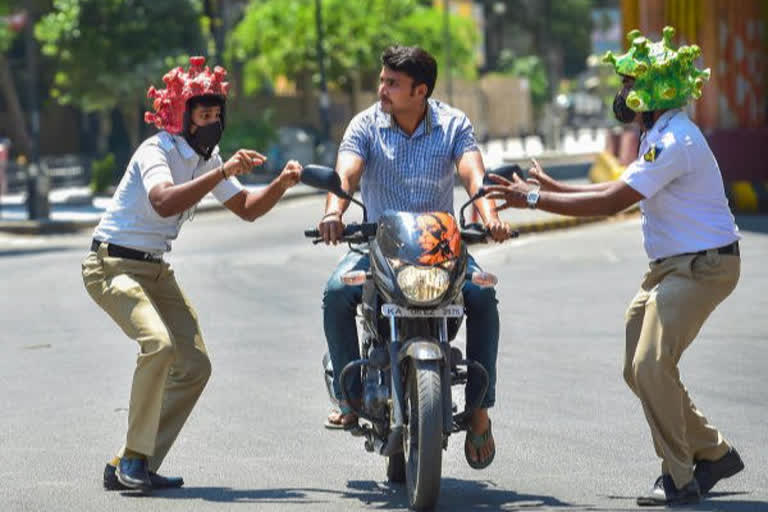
point(412, 174)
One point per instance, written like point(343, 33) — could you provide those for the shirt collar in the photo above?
point(184, 148)
point(661, 123)
point(388, 120)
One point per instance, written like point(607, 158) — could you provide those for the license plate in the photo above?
point(451, 311)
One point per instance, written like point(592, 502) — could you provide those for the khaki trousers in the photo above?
point(676, 297)
point(172, 367)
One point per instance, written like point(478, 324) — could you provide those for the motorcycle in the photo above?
point(411, 310)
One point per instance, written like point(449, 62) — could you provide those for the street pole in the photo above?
point(31, 54)
point(447, 48)
point(38, 183)
point(324, 100)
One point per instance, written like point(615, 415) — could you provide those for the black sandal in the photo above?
point(344, 410)
point(479, 442)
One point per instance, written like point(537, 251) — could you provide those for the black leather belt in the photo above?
point(732, 249)
point(118, 251)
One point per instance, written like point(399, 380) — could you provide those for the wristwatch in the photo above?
point(532, 198)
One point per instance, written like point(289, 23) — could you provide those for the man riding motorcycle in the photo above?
point(402, 152)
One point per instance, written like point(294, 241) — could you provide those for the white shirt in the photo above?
point(685, 208)
point(130, 220)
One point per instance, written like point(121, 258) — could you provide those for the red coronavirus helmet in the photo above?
point(170, 103)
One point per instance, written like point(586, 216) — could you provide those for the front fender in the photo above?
point(421, 349)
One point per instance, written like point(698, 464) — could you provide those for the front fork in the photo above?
point(451, 422)
point(397, 353)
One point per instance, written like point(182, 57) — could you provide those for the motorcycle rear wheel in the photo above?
point(423, 436)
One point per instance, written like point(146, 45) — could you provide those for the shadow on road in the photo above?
point(711, 502)
point(708, 503)
point(464, 495)
point(230, 495)
point(455, 494)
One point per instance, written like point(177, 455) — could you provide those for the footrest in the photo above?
point(460, 422)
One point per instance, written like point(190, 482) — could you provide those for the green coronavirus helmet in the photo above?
point(664, 77)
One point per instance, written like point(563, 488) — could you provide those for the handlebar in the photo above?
point(359, 233)
point(355, 233)
point(479, 234)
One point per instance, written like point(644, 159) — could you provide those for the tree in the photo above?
point(107, 52)
point(14, 21)
point(558, 31)
point(277, 38)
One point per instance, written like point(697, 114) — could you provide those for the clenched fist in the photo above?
point(290, 175)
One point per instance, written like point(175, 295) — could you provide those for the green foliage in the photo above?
point(278, 37)
point(102, 173)
point(570, 28)
point(531, 68)
point(562, 25)
point(247, 132)
point(107, 52)
point(7, 35)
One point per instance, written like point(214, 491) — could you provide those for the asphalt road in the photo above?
point(570, 435)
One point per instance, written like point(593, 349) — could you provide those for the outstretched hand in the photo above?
point(539, 178)
point(512, 192)
point(243, 161)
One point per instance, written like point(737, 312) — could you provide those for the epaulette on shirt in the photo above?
point(653, 153)
point(165, 140)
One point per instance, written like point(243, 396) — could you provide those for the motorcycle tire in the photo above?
point(423, 439)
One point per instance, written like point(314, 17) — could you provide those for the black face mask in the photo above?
point(621, 111)
point(205, 138)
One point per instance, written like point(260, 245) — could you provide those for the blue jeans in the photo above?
point(339, 305)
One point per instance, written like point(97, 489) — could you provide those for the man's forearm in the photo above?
point(170, 200)
point(334, 203)
point(487, 209)
point(578, 204)
point(570, 188)
point(259, 203)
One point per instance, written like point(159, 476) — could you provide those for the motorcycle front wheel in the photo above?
point(423, 435)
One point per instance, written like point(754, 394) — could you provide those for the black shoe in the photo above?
point(111, 483)
point(664, 493)
point(165, 482)
point(133, 473)
point(708, 473)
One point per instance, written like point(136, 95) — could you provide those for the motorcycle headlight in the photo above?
point(423, 284)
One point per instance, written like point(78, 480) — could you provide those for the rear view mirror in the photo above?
point(324, 178)
point(505, 171)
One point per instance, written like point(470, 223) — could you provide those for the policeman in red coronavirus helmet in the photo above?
point(127, 276)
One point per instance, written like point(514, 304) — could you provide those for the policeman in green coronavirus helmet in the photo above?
point(692, 243)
